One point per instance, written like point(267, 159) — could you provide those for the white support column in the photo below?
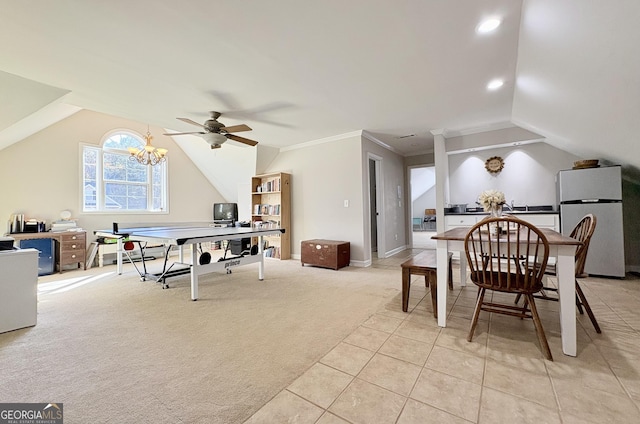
point(442, 177)
point(442, 183)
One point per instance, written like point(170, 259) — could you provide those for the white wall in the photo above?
point(528, 177)
point(426, 201)
point(393, 236)
point(41, 176)
point(423, 192)
point(323, 176)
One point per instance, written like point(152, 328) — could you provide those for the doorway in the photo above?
point(376, 211)
point(422, 184)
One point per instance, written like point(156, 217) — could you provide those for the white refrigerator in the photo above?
point(597, 191)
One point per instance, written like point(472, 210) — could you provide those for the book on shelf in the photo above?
point(266, 209)
point(270, 186)
point(272, 252)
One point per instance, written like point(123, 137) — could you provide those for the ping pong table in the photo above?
point(192, 235)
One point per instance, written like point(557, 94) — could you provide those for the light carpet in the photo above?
point(119, 350)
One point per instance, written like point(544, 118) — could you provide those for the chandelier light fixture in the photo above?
point(148, 155)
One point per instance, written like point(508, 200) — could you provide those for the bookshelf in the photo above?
point(271, 207)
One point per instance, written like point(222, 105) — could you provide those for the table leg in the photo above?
point(442, 257)
point(261, 263)
point(120, 249)
point(194, 273)
point(567, 293)
point(406, 285)
point(181, 254)
point(463, 268)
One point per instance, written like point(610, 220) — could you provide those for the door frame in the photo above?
point(379, 181)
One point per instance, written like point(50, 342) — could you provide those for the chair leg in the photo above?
point(584, 302)
point(544, 345)
point(517, 298)
point(578, 303)
point(476, 313)
point(450, 275)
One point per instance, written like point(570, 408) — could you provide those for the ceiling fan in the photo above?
point(216, 133)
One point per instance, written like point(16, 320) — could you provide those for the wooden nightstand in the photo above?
point(73, 249)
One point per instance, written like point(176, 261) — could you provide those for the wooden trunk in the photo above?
point(326, 253)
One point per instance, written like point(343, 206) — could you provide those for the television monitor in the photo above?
point(225, 212)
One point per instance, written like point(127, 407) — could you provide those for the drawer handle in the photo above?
point(318, 246)
point(73, 256)
point(73, 246)
point(73, 238)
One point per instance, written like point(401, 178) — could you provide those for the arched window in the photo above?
point(113, 182)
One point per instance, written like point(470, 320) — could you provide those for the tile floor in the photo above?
point(402, 368)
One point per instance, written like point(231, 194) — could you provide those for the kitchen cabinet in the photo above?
point(462, 220)
point(547, 220)
point(542, 220)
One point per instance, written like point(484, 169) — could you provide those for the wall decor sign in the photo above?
point(494, 164)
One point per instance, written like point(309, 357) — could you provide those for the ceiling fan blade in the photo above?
point(185, 133)
point(241, 139)
point(189, 121)
point(236, 128)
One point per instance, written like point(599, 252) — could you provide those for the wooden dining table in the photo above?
point(562, 248)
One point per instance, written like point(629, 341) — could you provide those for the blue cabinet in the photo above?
point(47, 253)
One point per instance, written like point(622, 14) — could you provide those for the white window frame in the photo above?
point(101, 182)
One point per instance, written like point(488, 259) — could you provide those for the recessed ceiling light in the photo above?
point(488, 25)
point(495, 84)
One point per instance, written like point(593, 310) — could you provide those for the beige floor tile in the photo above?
point(417, 290)
point(408, 350)
point(451, 394)
point(329, 418)
point(464, 311)
point(393, 308)
point(589, 370)
point(498, 407)
point(367, 338)
point(469, 302)
point(455, 339)
point(532, 386)
point(464, 324)
point(594, 405)
point(347, 358)
point(465, 366)
point(618, 338)
point(320, 384)
point(391, 374)
point(286, 407)
point(513, 345)
point(418, 331)
point(413, 303)
point(415, 412)
point(423, 314)
point(365, 403)
point(382, 322)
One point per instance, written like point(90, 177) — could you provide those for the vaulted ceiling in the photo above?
point(299, 71)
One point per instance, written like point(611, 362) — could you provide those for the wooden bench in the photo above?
point(423, 263)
